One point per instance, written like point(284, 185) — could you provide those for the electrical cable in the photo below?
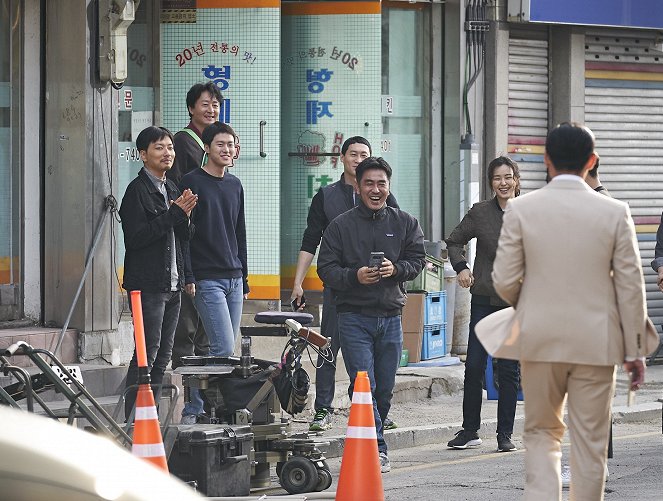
point(111, 201)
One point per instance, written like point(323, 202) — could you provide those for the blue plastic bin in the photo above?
point(435, 311)
point(491, 385)
point(434, 342)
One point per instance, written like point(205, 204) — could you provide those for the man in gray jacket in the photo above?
point(369, 299)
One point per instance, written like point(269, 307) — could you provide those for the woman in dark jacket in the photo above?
point(484, 222)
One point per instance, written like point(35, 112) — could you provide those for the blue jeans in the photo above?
point(372, 344)
point(508, 376)
point(219, 304)
point(325, 374)
point(160, 313)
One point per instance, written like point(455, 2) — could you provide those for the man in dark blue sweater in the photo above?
point(217, 269)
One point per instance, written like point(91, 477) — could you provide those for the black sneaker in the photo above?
point(465, 439)
point(504, 443)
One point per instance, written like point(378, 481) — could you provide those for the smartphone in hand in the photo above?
point(375, 260)
point(296, 305)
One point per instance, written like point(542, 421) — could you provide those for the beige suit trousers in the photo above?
point(590, 389)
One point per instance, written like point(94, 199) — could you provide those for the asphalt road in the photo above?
point(436, 473)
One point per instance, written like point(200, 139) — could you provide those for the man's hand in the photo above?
point(387, 268)
point(186, 201)
point(368, 276)
point(659, 279)
point(190, 289)
point(465, 278)
point(636, 369)
point(297, 295)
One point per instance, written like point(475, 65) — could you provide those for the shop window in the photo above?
point(10, 147)
point(405, 102)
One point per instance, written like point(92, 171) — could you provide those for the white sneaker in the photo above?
point(385, 465)
point(189, 419)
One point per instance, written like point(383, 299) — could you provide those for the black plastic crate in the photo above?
point(216, 457)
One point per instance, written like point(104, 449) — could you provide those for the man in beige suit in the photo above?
point(568, 261)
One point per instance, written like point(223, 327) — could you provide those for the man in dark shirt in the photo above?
point(369, 299)
point(155, 223)
point(328, 203)
point(203, 102)
point(218, 255)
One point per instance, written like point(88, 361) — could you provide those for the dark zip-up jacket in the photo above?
point(347, 245)
point(483, 222)
point(328, 203)
point(146, 224)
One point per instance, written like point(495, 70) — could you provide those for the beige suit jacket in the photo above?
point(568, 261)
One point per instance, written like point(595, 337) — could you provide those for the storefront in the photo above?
point(298, 79)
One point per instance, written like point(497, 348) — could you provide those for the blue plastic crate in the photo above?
point(434, 342)
point(491, 385)
point(435, 311)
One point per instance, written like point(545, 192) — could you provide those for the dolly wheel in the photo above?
point(299, 475)
point(324, 480)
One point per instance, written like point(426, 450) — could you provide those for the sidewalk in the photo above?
point(427, 406)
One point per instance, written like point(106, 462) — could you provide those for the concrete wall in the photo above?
point(80, 153)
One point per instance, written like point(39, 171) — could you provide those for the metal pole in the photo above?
point(88, 264)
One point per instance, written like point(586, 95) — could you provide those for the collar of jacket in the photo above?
point(150, 185)
point(371, 214)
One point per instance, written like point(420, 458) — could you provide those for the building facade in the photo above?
point(438, 87)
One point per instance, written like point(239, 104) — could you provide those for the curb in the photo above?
point(416, 436)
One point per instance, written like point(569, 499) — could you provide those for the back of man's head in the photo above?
point(196, 91)
point(373, 163)
point(355, 139)
point(213, 130)
point(150, 135)
point(569, 146)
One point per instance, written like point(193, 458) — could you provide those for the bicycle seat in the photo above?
point(279, 317)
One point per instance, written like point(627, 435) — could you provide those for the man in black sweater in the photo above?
point(369, 299)
point(329, 202)
point(155, 223)
point(217, 277)
point(203, 102)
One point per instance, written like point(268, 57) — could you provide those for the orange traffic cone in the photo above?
point(360, 478)
point(147, 442)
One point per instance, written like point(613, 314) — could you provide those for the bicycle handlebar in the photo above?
point(313, 337)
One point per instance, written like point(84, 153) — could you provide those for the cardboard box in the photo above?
point(412, 316)
point(412, 342)
point(413, 325)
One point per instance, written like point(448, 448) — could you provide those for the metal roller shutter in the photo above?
point(528, 109)
point(624, 108)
